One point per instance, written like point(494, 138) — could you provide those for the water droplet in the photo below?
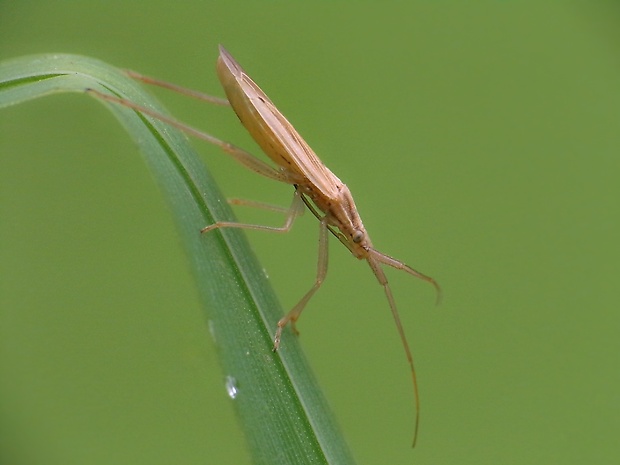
point(231, 387)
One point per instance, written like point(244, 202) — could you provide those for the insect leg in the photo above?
point(293, 315)
point(178, 89)
point(245, 158)
point(261, 205)
point(295, 210)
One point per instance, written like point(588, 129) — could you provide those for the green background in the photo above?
point(480, 142)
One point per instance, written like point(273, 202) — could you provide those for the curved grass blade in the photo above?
point(281, 408)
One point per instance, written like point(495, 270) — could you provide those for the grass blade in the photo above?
point(280, 406)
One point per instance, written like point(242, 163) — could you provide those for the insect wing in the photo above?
point(270, 129)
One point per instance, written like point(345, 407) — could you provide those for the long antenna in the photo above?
point(375, 263)
point(403, 338)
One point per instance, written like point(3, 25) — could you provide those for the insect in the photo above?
point(316, 188)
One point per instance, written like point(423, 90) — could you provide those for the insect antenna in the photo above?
point(387, 260)
point(375, 265)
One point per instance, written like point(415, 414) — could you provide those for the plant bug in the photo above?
point(316, 187)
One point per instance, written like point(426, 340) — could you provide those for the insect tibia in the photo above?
point(176, 88)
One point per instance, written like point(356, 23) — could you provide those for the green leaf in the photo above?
point(281, 408)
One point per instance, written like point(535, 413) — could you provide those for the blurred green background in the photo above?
point(481, 143)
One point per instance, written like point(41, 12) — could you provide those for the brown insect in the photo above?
point(316, 187)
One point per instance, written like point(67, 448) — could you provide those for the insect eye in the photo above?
point(357, 236)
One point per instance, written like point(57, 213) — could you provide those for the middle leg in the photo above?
point(293, 315)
